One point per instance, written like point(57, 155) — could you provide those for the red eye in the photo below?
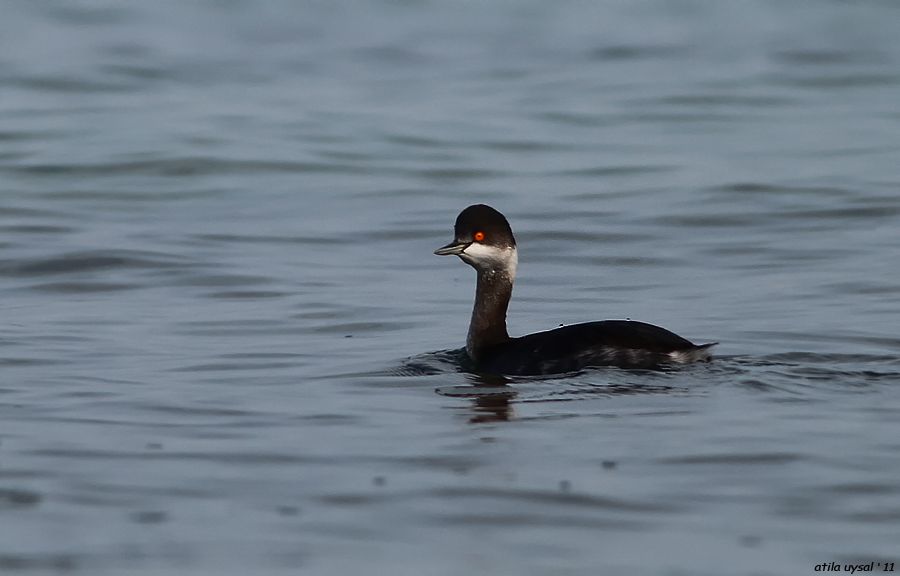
point(478, 236)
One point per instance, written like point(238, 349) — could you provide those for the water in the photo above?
point(226, 347)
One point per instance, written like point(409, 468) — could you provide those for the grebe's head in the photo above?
point(483, 240)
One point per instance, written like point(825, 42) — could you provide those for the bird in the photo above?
point(484, 240)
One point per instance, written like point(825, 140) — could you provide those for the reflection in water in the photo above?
point(493, 396)
point(491, 404)
point(490, 394)
point(494, 408)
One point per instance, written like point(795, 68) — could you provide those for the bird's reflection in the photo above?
point(491, 398)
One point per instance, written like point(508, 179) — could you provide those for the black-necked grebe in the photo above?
point(484, 240)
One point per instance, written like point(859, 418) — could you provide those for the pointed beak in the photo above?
point(452, 249)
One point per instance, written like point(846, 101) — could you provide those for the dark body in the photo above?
point(622, 343)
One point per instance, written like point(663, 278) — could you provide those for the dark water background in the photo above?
point(220, 308)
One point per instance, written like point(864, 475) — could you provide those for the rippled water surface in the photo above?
point(226, 347)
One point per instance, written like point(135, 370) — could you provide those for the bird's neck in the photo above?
point(488, 324)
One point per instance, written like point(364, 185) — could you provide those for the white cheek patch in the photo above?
point(482, 252)
point(505, 259)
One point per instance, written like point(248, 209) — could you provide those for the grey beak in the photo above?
point(452, 249)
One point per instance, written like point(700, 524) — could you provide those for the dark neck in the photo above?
point(488, 325)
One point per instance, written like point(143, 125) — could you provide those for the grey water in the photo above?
point(226, 347)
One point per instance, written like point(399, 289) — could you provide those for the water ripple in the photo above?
point(90, 261)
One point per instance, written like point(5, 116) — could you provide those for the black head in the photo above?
point(482, 237)
point(481, 223)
